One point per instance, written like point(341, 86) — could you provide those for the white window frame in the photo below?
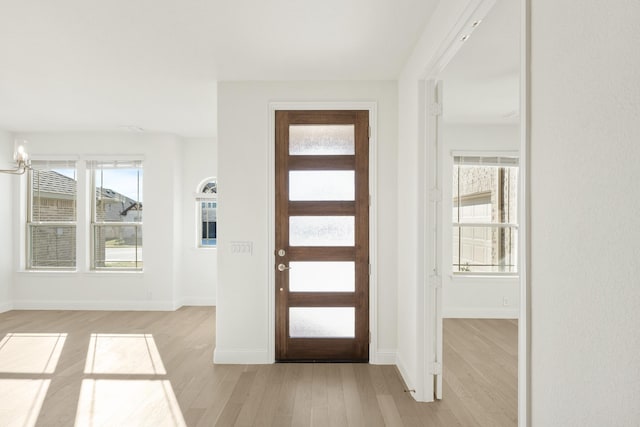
point(201, 197)
point(48, 165)
point(449, 206)
point(92, 166)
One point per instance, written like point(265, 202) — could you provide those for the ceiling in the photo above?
point(481, 84)
point(97, 65)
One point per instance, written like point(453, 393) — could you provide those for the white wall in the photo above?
point(156, 287)
point(409, 258)
point(178, 200)
point(175, 272)
point(242, 299)
point(199, 265)
point(475, 296)
point(6, 220)
point(585, 201)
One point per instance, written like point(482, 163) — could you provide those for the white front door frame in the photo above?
point(372, 108)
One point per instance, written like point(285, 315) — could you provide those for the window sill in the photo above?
point(76, 273)
point(206, 248)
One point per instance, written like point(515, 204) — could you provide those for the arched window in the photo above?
point(206, 205)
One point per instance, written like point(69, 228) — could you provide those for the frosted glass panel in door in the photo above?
point(322, 322)
point(321, 231)
point(328, 276)
point(321, 185)
point(306, 140)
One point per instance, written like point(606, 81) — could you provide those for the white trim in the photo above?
point(20, 199)
point(477, 9)
point(372, 108)
point(76, 273)
point(427, 267)
point(404, 373)
point(386, 356)
point(243, 357)
point(112, 157)
point(38, 157)
point(271, 227)
point(524, 328)
point(196, 301)
point(94, 305)
point(202, 183)
point(84, 208)
point(324, 105)
point(4, 307)
point(193, 301)
point(480, 313)
point(204, 196)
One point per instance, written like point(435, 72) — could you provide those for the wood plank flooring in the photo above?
point(95, 368)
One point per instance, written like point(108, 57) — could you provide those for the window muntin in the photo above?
point(484, 215)
point(207, 207)
point(52, 215)
point(210, 187)
point(117, 213)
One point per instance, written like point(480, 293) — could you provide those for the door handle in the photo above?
point(282, 267)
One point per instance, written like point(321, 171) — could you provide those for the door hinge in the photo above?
point(435, 109)
point(369, 132)
point(436, 368)
point(435, 282)
point(369, 269)
point(369, 199)
point(369, 337)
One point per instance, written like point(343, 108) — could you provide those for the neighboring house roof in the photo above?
point(53, 182)
point(109, 194)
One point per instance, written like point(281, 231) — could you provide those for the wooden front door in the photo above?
point(322, 235)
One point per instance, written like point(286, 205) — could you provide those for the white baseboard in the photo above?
point(95, 305)
point(384, 357)
point(404, 373)
point(480, 313)
point(241, 357)
point(4, 307)
point(198, 301)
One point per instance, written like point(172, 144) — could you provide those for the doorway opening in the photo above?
point(474, 215)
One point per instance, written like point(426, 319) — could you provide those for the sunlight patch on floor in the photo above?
point(123, 354)
point(21, 401)
point(30, 353)
point(128, 402)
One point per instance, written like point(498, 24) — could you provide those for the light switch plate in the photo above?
point(241, 247)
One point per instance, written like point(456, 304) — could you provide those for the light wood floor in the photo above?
point(91, 368)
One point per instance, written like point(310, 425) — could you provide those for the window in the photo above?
point(51, 216)
point(207, 204)
point(485, 216)
point(116, 217)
